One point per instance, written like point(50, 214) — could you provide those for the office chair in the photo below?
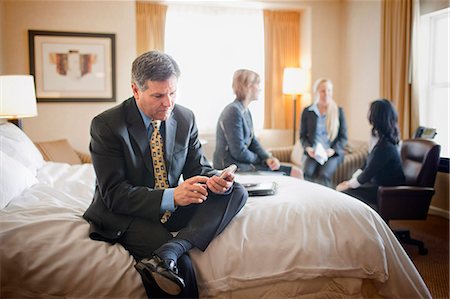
point(420, 161)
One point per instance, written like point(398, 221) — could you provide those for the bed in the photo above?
point(307, 241)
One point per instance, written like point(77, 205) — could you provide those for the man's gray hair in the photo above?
point(153, 66)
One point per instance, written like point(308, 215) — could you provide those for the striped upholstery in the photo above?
point(85, 158)
point(355, 155)
point(60, 150)
point(282, 153)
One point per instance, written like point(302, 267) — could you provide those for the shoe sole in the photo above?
point(167, 285)
point(164, 283)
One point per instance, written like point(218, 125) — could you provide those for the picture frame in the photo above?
point(73, 66)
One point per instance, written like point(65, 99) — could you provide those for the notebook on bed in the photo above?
point(260, 189)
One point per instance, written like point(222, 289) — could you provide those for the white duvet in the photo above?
point(307, 241)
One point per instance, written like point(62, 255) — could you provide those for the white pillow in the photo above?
point(297, 154)
point(15, 143)
point(15, 178)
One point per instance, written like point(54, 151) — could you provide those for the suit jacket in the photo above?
point(235, 140)
point(383, 166)
point(308, 130)
point(121, 157)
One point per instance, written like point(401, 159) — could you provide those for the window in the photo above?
point(209, 44)
point(434, 71)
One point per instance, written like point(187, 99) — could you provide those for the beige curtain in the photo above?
point(395, 82)
point(282, 49)
point(150, 26)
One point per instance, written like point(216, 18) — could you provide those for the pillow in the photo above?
point(58, 151)
point(15, 143)
point(15, 178)
point(297, 153)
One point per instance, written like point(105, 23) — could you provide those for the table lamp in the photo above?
point(17, 98)
point(294, 83)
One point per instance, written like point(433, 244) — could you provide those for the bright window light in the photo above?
point(209, 44)
point(434, 67)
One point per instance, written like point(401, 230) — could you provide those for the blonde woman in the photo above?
point(235, 139)
point(323, 134)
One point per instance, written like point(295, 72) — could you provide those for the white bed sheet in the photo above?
point(305, 241)
point(307, 231)
point(45, 250)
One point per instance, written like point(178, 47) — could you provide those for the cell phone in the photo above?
point(230, 169)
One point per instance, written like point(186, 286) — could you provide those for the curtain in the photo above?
point(150, 26)
point(282, 49)
point(395, 66)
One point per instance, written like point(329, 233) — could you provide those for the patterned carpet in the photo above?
point(433, 267)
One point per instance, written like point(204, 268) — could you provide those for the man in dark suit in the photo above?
point(139, 200)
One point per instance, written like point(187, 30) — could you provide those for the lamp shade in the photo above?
point(17, 96)
point(294, 80)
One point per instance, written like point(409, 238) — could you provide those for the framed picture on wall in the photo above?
point(73, 66)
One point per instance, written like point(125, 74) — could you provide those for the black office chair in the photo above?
point(420, 161)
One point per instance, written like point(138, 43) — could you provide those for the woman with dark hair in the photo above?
point(383, 165)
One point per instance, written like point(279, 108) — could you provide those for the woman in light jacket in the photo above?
point(323, 134)
point(235, 137)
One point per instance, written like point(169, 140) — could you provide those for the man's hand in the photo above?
point(273, 163)
point(192, 190)
point(221, 184)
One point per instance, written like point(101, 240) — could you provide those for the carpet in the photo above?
point(433, 267)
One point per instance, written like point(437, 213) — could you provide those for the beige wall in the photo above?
point(2, 18)
point(360, 63)
point(326, 43)
point(68, 120)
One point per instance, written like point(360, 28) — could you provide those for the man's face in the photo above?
point(158, 99)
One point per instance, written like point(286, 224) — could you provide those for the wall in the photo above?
point(326, 31)
point(68, 120)
point(2, 18)
point(360, 71)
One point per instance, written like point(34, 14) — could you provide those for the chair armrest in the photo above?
point(404, 202)
point(85, 158)
point(282, 153)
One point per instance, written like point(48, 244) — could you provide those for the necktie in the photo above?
point(159, 166)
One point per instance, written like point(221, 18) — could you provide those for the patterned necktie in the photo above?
point(159, 166)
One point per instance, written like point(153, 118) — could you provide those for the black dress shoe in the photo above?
point(165, 274)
